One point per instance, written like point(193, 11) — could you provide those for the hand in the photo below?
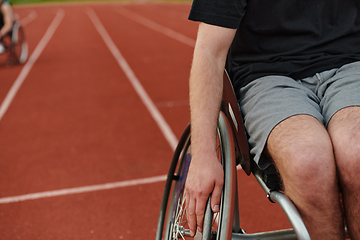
point(205, 176)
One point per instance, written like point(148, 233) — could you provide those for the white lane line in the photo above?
point(156, 27)
point(77, 190)
point(155, 113)
point(29, 64)
point(26, 20)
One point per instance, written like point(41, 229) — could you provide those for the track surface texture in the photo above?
point(88, 124)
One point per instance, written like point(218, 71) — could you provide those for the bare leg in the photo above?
point(344, 129)
point(302, 151)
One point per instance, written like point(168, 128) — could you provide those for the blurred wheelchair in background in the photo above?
point(15, 45)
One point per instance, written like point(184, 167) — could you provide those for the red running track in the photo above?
point(76, 133)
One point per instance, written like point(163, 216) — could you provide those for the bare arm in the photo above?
point(8, 14)
point(206, 174)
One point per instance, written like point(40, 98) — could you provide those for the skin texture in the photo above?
point(317, 164)
point(344, 131)
point(302, 151)
point(205, 173)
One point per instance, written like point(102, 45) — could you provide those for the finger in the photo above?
point(190, 214)
point(200, 212)
point(216, 197)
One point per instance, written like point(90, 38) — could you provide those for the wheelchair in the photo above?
point(15, 45)
point(232, 150)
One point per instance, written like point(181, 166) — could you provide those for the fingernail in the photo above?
point(191, 233)
point(199, 229)
point(216, 208)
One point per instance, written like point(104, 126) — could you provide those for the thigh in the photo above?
point(344, 126)
point(302, 150)
point(268, 101)
point(344, 130)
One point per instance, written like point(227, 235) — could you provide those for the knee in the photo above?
point(311, 171)
point(303, 152)
point(310, 160)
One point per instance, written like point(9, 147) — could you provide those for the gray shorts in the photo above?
point(269, 100)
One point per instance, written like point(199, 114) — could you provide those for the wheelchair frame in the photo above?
point(15, 45)
point(234, 150)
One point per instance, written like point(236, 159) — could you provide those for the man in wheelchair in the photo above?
point(295, 67)
point(6, 20)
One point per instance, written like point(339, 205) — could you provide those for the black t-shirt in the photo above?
point(295, 38)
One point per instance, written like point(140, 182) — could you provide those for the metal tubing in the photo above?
point(292, 214)
point(273, 235)
point(229, 191)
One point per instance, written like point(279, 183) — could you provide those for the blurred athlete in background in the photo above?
point(7, 19)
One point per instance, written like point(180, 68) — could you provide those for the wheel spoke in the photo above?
point(179, 222)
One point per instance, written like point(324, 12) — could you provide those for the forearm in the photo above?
point(205, 99)
point(206, 85)
point(205, 175)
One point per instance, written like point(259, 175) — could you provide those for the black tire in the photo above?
point(174, 226)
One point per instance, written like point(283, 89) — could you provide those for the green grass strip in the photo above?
point(17, 2)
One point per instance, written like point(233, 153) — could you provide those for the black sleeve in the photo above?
point(224, 13)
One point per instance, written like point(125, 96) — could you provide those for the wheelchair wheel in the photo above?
point(19, 44)
point(218, 226)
